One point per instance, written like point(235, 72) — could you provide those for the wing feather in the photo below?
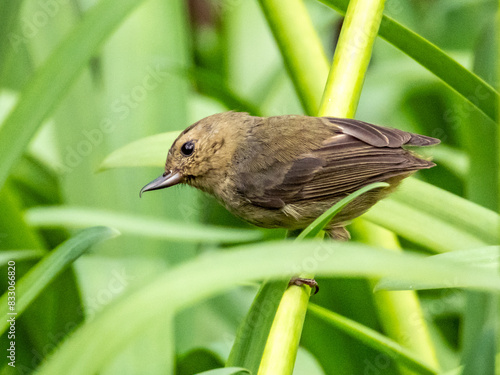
point(352, 155)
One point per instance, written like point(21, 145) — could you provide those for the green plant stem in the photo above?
point(300, 47)
point(351, 59)
point(373, 339)
point(281, 348)
point(394, 308)
point(470, 86)
point(340, 99)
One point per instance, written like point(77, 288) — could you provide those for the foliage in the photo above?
point(92, 95)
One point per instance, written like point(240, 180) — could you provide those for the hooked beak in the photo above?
point(164, 181)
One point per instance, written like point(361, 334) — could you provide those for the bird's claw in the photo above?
point(302, 281)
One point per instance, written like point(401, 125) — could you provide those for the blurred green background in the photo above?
point(168, 64)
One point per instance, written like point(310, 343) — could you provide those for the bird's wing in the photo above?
point(380, 136)
point(355, 155)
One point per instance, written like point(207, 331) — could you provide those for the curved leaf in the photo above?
point(486, 257)
point(435, 218)
point(146, 152)
point(19, 255)
point(123, 320)
point(317, 225)
point(373, 339)
point(51, 81)
point(31, 284)
point(75, 217)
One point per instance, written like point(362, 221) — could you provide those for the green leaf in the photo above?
point(19, 255)
point(226, 371)
point(435, 218)
point(373, 339)
point(146, 152)
point(54, 78)
point(317, 225)
point(252, 333)
point(124, 319)
point(487, 257)
point(78, 217)
point(197, 360)
point(32, 284)
point(472, 88)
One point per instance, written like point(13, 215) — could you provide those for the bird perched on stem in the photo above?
point(285, 171)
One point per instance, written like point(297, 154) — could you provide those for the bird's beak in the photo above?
point(166, 180)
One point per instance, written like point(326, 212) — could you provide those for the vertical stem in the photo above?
point(350, 63)
point(281, 348)
point(352, 56)
point(300, 47)
point(400, 313)
point(340, 99)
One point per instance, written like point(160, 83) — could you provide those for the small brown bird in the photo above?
point(285, 171)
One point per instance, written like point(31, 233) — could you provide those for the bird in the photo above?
point(285, 171)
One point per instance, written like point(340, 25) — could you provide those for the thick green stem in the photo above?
point(354, 49)
point(396, 308)
point(283, 342)
point(340, 99)
point(350, 62)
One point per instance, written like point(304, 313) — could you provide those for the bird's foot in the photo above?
point(301, 281)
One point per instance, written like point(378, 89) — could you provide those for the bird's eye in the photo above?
point(187, 148)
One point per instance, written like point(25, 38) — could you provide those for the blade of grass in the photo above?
point(122, 320)
point(285, 332)
point(352, 55)
point(75, 217)
point(393, 308)
point(10, 15)
point(317, 225)
point(282, 343)
point(340, 99)
point(435, 218)
point(146, 152)
point(32, 284)
point(19, 255)
point(51, 81)
point(471, 87)
point(373, 339)
point(486, 257)
point(253, 331)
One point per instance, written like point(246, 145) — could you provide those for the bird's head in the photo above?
point(202, 153)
